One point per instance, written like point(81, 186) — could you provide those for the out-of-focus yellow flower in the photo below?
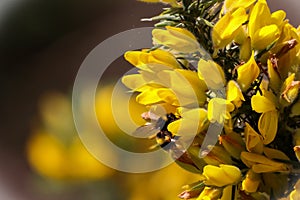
point(261, 164)
point(212, 74)
point(227, 27)
point(141, 59)
point(289, 90)
point(210, 193)
point(268, 121)
point(221, 176)
point(178, 39)
point(234, 94)
point(247, 73)
point(53, 159)
point(251, 182)
point(263, 32)
point(219, 110)
point(254, 141)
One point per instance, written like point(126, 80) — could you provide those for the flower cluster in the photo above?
point(229, 64)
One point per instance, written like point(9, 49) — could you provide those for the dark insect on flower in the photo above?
point(156, 127)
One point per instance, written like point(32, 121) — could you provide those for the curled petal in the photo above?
point(253, 140)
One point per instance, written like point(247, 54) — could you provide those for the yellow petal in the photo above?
point(227, 27)
point(262, 104)
point(264, 36)
point(251, 182)
point(178, 39)
point(267, 125)
point(212, 74)
point(234, 93)
point(253, 140)
point(247, 73)
point(221, 176)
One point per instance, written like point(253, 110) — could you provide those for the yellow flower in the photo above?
point(254, 141)
point(176, 87)
point(268, 121)
point(210, 193)
point(261, 164)
point(212, 74)
point(141, 59)
point(234, 93)
point(178, 39)
point(227, 27)
point(219, 110)
point(191, 122)
point(263, 32)
point(251, 182)
point(247, 73)
point(221, 176)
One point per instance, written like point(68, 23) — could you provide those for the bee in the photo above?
point(156, 127)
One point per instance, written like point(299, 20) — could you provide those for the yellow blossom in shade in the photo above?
point(227, 27)
point(262, 32)
point(178, 39)
point(289, 90)
point(216, 155)
point(140, 59)
point(251, 182)
point(219, 110)
point(221, 176)
point(261, 164)
point(233, 143)
point(210, 193)
point(247, 73)
point(234, 93)
point(254, 141)
point(275, 154)
point(191, 120)
point(212, 74)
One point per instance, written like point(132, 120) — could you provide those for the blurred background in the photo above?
point(42, 45)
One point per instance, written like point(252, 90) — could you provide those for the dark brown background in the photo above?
point(42, 44)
